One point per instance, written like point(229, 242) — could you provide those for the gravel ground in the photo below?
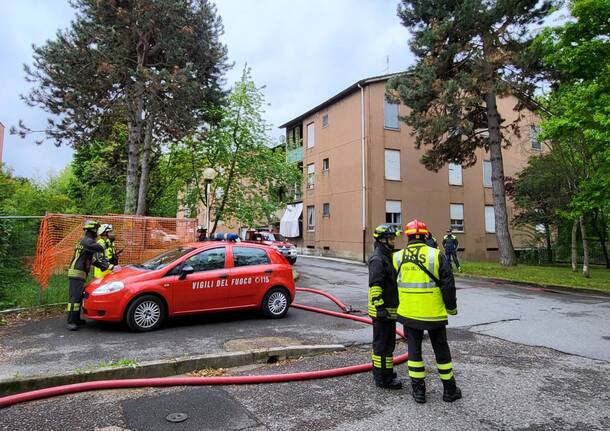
point(506, 386)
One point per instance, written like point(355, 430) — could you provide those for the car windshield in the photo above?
point(162, 260)
point(268, 236)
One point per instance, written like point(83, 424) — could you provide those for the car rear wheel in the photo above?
point(276, 303)
point(146, 313)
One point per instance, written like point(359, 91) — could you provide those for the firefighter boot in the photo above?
point(386, 380)
point(73, 318)
point(419, 390)
point(450, 391)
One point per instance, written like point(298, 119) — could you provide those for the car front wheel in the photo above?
point(276, 303)
point(146, 313)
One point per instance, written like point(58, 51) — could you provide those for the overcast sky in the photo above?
point(303, 51)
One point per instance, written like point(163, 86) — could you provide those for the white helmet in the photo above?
point(103, 229)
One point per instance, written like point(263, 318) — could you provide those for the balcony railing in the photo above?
point(294, 155)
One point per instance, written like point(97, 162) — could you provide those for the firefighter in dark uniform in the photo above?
point(450, 244)
point(202, 234)
point(383, 300)
point(87, 253)
point(106, 239)
point(424, 270)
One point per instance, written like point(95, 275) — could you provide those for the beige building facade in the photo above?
point(361, 169)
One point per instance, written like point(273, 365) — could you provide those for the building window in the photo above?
point(392, 165)
point(325, 120)
point(455, 174)
point(311, 218)
point(326, 210)
point(456, 215)
point(325, 165)
point(311, 176)
point(490, 219)
point(534, 131)
point(311, 135)
point(393, 213)
point(390, 115)
point(486, 173)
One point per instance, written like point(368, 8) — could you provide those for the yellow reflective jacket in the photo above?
point(422, 302)
point(109, 254)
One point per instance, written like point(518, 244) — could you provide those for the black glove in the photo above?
point(382, 314)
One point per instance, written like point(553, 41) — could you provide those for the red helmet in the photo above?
point(415, 227)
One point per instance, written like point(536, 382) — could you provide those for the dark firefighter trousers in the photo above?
point(77, 287)
point(384, 342)
point(452, 255)
point(438, 338)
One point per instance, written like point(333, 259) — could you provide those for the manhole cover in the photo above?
point(177, 417)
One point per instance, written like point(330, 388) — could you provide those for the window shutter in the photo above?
point(490, 219)
point(455, 174)
point(392, 165)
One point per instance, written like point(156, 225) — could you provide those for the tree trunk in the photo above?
point(585, 248)
point(549, 247)
point(225, 193)
point(600, 225)
point(505, 244)
point(574, 256)
point(134, 127)
point(145, 167)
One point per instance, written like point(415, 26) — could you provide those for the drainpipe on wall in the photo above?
point(363, 172)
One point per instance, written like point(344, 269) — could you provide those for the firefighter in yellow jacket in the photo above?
point(426, 294)
point(383, 300)
point(106, 239)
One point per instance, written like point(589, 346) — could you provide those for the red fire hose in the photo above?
point(195, 381)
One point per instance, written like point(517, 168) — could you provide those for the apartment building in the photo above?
point(361, 169)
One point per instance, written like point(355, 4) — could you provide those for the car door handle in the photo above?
point(223, 276)
point(268, 271)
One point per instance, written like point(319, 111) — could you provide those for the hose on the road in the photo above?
point(195, 381)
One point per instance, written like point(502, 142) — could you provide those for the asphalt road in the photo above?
point(507, 343)
point(571, 323)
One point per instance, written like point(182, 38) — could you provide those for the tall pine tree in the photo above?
point(154, 65)
point(469, 52)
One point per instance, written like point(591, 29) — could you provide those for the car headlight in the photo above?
point(275, 247)
point(104, 289)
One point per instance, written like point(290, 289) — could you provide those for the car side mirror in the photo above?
point(185, 270)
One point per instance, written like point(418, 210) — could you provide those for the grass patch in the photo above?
point(557, 275)
point(19, 289)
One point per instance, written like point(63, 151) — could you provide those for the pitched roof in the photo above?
point(344, 93)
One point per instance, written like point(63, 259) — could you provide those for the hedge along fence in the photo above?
point(140, 238)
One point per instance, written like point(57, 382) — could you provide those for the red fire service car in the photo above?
point(196, 278)
point(276, 241)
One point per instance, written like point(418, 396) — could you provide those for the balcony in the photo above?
point(294, 155)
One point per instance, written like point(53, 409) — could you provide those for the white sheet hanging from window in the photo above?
point(289, 224)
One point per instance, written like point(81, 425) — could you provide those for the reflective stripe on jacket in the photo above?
point(420, 298)
point(84, 257)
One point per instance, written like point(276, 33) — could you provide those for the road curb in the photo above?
point(550, 287)
point(165, 368)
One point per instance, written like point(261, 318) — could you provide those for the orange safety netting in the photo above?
point(140, 238)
